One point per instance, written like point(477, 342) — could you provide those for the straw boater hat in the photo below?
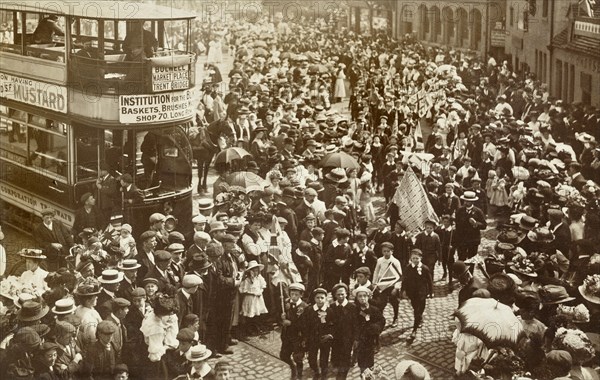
point(541, 235)
point(110, 276)
point(469, 196)
point(64, 306)
point(129, 264)
point(198, 353)
point(336, 175)
point(30, 253)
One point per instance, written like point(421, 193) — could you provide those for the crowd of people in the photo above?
point(313, 251)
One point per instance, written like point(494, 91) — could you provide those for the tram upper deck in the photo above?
point(113, 62)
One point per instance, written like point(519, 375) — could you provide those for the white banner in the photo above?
point(29, 91)
point(157, 108)
point(170, 78)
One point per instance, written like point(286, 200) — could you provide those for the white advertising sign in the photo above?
point(157, 108)
point(39, 94)
point(27, 201)
point(170, 78)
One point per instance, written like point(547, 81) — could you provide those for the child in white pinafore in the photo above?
point(253, 303)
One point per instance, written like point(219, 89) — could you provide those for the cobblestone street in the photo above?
point(258, 357)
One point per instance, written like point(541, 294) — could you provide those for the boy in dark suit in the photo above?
point(369, 324)
point(445, 232)
point(292, 350)
point(429, 243)
point(417, 285)
point(342, 319)
point(317, 334)
point(362, 255)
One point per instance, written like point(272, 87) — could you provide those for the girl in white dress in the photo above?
point(215, 51)
point(251, 289)
point(340, 85)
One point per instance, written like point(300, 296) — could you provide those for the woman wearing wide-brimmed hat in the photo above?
point(86, 297)
point(34, 274)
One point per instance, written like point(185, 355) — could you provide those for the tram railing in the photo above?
point(115, 75)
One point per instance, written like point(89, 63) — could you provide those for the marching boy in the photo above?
point(317, 334)
point(386, 277)
point(369, 324)
point(417, 285)
point(292, 351)
point(429, 244)
point(342, 318)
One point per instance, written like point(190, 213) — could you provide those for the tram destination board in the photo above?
point(157, 108)
point(170, 78)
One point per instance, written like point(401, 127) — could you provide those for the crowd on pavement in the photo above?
point(296, 242)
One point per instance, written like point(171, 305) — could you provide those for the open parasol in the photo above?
point(260, 52)
point(259, 43)
point(339, 160)
point(317, 69)
point(491, 321)
point(230, 154)
point(245, 182)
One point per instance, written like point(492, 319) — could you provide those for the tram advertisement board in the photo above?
point(156, 108)
point(29, 91)
point(170, 78)
point(28, 201)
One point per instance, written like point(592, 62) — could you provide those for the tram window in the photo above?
point(86, 152)
point(176, 35)
point(13, 135)
point(47, 148)
point(7, 42)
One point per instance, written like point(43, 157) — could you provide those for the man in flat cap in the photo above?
point(118, 307)
point(54, 238)
point(186, 296)
point(145, 257)
point(167, 283)
point(100, 356)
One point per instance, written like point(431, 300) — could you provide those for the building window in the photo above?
point(511, 16)
point(586, 88)
point(525, 21)
point(544, 8)
point(559, 77)
point(571, 83)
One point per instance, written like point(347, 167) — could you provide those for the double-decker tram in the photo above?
point(89, 89)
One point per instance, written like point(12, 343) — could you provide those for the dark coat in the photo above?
point(83, 219)
point(342, 320)
point(315, 328)
point(562, 239)
point(448, 205)
point(59, 234)
point(402, 246)
point(465, 233)
point(185, 305)
point(108, 195)
point(369, 323)
point(417, 285)
point(176, 363)
point(356, 261)
point(166, 284)
point(292, 334)
point(99, 362)
point(125, 290)
point(146, 265)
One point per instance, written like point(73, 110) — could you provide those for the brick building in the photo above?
point(559, 42)
point(458, 25)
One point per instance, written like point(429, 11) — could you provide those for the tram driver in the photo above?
point(46, 30)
